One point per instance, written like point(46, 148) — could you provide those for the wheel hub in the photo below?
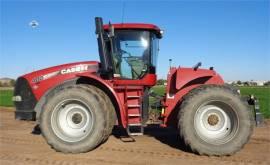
point(76, 118)
point(213, 120)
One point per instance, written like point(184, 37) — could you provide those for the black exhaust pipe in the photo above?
point(105, 60)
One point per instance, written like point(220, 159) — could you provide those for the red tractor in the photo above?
point(77, 105)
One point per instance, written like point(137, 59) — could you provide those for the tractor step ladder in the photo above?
point(134, 128)
point(133, 102)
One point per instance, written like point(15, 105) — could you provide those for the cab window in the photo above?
point(133, 57)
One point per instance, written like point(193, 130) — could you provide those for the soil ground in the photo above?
point(20, 146)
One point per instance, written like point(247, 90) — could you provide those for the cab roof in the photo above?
point(133, 26)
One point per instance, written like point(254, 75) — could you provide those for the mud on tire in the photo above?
point(213, 120)
point(73, 119)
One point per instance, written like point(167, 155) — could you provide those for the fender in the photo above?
point(180, 81)
point(185, 76)
point(85, 78)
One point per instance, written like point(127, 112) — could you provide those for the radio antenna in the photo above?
point(123, 10)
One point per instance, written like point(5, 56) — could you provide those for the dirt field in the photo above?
point(18, 145)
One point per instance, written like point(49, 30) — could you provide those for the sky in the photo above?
point(232, 36)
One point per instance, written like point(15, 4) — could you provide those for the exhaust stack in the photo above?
point(106, 63)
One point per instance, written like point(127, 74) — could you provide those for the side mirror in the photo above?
point(160, 34)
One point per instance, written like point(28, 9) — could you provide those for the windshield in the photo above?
point(133, 48)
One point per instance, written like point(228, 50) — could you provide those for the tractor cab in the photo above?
point(128, 51)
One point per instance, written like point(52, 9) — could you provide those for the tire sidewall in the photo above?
point(92, 101)
point(241, 110)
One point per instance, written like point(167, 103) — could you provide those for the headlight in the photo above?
point(17, 98)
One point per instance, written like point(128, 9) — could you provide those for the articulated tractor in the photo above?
point(77, 105)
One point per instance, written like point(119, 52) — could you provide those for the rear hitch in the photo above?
point(253, 101)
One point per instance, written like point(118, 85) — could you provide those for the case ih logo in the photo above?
point(75, 69)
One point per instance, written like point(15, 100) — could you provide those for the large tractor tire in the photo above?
point(74, 119)
point(213, 120)
point(110, 111)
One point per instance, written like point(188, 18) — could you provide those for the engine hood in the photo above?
point(65, 70)
point(31, 87)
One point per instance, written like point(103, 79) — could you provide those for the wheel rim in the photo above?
point(216, 122)
point(72, 120)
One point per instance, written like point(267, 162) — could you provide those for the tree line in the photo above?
point(250, 83)
point(236, 83)
point(10, 83)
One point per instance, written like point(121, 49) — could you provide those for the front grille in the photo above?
point(23, 89)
